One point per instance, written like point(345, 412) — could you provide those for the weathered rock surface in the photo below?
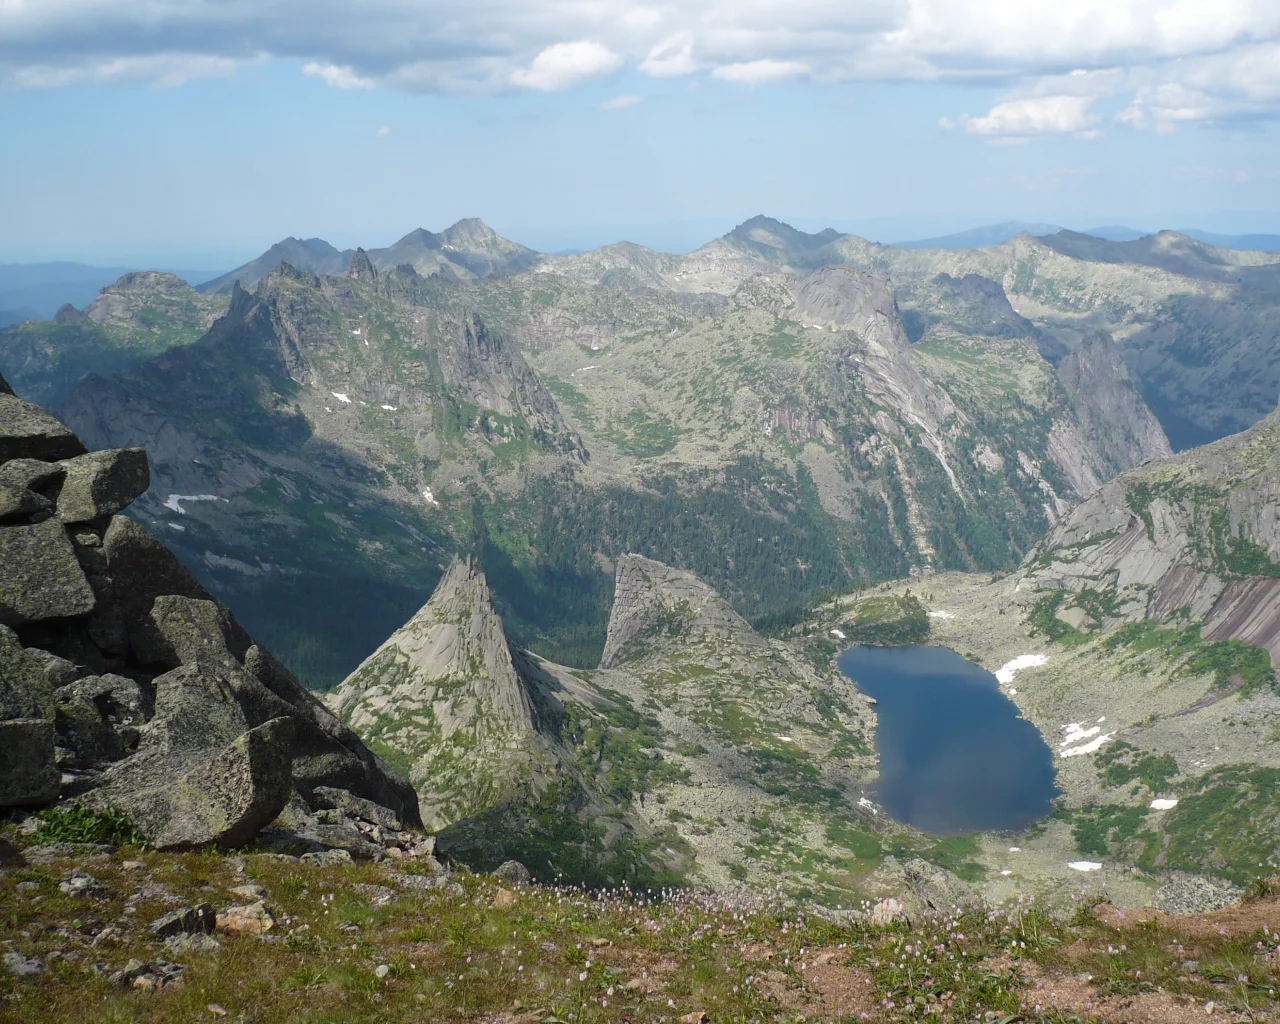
point(192, 797)
point(449, 692)
point(102, 483)
point(25, 690)
point(27, 431)
point(40, 577)
point(1119, 430)
point(1193, 535)
point(653, 600)
point(28, 775)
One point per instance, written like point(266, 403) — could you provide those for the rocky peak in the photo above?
point(469, 229)
point(453, 652)
point(653, 602)
point(449, 692)
point(361, 268)
point(68, 314)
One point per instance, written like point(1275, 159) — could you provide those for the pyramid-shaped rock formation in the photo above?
point(124, 684)
point(653, 602)
point(473, 716)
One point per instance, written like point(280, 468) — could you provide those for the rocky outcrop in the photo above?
point(655, 602)
point(1192, 535)
point(124, 684)
point(1119, 430)
point(474, 716)
point(360, 268)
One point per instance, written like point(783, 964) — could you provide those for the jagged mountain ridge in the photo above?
point(327, 406)
point(469, 249)
point(798, 399)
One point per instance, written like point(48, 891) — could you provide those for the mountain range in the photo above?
point(571, 539)
point(782, 413)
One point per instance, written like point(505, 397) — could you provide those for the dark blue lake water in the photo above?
point(954, 755)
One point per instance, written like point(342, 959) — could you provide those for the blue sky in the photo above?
point(169, 140)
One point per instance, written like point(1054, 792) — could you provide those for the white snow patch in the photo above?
point(868, 805)
point(426, 493)
point(356, 331)
point(1006, 672)
point(1012, 692)
point(390, 408)
point(1074, 732)
point(1006, 871)
point(785, 739)
point(1015, 849)
point(340, 397)
point(941, 615)
point(1102, 719)
point(1163, 804)
point(174, 502)
point(837, 634)
point(1084, 865)
point(1091, 747)
point(178, 526)
point(584, 369)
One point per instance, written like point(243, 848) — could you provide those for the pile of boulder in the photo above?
point(125, 685)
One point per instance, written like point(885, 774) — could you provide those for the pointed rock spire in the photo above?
point(361, 268)
point(448, 693)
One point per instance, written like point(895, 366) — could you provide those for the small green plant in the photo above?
point(82, 825)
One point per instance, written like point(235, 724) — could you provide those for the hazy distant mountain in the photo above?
point(469, 249)
point(314, 254)
point(979, 238)
point(1258, 243)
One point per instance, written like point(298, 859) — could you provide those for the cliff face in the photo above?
point(1114, 420)
point(1195, 534)
point(124, 684)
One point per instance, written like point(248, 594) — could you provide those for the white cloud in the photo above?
point(671, 58)
point(760, 72)
point(382, 132)
point(565, 64)
point(1036, 115)
point(621, 102)
point(340, 76)
point(1175, 61)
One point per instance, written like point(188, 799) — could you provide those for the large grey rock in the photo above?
point(58, 671)
point(142, 569)
point(102, 483)
point(196, 708)
point(189, 628)
point(99, 718)
point(40, 577)
point(32, 474)
point(192, 798)
point(27, 431)
point(28, 775)
point(4, 386)
point(17, 505)
point(25, 691)
point(327, 797)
